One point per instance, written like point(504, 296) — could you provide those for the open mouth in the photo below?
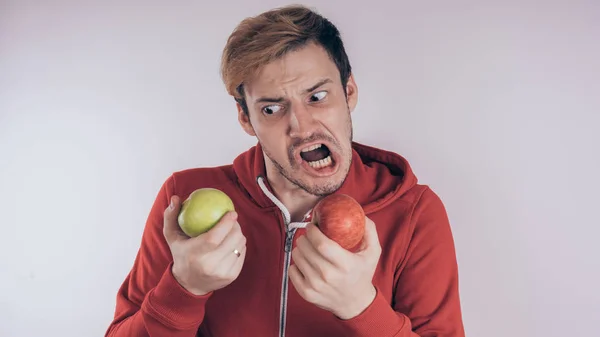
point(317, 156)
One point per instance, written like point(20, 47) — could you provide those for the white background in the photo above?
point(494, 103)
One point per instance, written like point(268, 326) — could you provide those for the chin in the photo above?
point(322, 186)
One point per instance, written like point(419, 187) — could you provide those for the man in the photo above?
point(265, 270)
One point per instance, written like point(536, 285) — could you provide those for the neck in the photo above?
point(295, 199)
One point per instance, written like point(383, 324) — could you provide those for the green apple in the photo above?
point(202, 210)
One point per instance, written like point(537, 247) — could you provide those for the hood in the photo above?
point(376, 177)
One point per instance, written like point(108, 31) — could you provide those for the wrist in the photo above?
point(177, 275)
point(360, 304)
point(172, 305)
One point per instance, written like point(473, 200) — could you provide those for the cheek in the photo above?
point(273, 139)
point(338, 123)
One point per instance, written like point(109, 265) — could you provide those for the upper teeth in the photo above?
point(312, 147)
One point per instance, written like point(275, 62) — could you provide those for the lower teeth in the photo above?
point(320, 163)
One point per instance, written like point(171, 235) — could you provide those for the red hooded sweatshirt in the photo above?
point(416, 278)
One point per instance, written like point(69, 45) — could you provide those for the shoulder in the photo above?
point(421, 200)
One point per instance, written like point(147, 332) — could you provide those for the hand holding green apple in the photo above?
point(207, 243)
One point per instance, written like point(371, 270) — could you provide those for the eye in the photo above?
point(318, 96)
point(271, 109)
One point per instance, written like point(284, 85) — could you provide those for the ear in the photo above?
point(244, 120)
point(351, 93)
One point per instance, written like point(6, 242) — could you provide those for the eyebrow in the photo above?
point(281, 99)
point(320, 83)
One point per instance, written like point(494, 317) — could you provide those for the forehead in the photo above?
point(299, 69)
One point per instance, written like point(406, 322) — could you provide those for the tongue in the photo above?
point(316, 154)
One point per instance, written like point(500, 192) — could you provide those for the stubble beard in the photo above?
point(323, 189)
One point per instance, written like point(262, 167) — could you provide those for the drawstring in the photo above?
point(281, 206)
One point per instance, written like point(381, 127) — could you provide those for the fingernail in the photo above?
point(171, 205)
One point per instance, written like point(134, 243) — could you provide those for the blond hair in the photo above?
point(262, 39)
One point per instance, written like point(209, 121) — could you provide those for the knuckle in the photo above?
point(315, 285)
point(226, 275)
point(235, 232)
point(303, 292)
point(204, 265)
point(321, 247)
point(344, 268)
point(207, 269)
point(309, 295)
point(303, 289)
point(218, 274)
point(375, 249)
point(211, 241)
point(227, 221)
point(327, 276)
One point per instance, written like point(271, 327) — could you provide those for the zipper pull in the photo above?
point(289, 238)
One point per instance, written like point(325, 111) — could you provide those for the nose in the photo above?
point(302, 123)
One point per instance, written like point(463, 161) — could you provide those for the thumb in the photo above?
point(171, 229)
point(371, 238)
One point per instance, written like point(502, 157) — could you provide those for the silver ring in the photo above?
point(237, 252)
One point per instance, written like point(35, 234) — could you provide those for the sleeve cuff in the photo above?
point(173, 305)
point(378, 319)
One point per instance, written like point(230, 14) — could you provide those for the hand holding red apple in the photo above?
point(206, 262)
point(334, 278)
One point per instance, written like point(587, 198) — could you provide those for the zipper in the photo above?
point(290, 231)
point(289, 239)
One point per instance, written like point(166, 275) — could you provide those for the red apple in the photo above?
point(342, 219)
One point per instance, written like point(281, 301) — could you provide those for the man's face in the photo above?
point(300, 114)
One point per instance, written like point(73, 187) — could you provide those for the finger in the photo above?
point(237, 262)
point(371, 239)
point(326, 248)
point(298, 280)
point(311, 256)
point(211, 239)
point(235, 239)
point(306, 267)
point(171, 229)
point(301, 283)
